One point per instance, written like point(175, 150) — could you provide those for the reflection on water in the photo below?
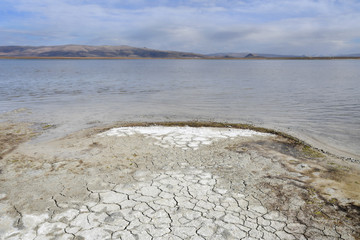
point(316, 100)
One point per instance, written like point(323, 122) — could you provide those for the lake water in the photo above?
point(318, 101)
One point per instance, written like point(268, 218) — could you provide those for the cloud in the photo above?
point(284, 26)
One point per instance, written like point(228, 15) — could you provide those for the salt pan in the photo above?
point(183, 137)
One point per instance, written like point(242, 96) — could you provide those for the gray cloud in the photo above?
point(284, 26)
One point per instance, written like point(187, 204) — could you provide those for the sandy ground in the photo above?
point(179, 183)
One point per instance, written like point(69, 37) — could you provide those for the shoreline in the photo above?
point(118, 181)
point(297, 139)
point(184, 58)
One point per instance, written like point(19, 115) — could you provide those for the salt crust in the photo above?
point(183, 137)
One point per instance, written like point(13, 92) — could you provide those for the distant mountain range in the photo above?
point(250, 55)
point(91, 51)
point(85, 51)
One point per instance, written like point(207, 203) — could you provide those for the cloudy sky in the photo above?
point(311, 27)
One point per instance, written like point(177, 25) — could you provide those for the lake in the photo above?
point(315, 100)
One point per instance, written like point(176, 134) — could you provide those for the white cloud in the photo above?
point(285, 26)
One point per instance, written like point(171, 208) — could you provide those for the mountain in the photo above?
point(91, 51)
point(249, 55)
point(266, 55)
point(83, 51)
point(228, 55)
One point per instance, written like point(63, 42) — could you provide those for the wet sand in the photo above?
point(137, 181)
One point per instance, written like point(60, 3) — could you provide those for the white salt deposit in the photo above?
point(183, 137)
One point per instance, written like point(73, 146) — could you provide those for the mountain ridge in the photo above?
point(250, 55)
point(124, 51)
point(73, 50)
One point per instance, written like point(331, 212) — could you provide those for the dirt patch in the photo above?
point(331, 189)
point(12, 135)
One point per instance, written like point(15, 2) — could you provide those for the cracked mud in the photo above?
point(173, 183)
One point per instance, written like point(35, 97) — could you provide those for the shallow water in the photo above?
point(318, 101)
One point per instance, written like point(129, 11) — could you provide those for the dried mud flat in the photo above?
point(172, 183)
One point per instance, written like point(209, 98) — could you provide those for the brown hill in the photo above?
point(91, 51)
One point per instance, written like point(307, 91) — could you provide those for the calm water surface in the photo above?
point(318, 101)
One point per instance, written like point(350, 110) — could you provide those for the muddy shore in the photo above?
point(192, 180)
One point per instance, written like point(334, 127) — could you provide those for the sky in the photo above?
point(299, 27)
